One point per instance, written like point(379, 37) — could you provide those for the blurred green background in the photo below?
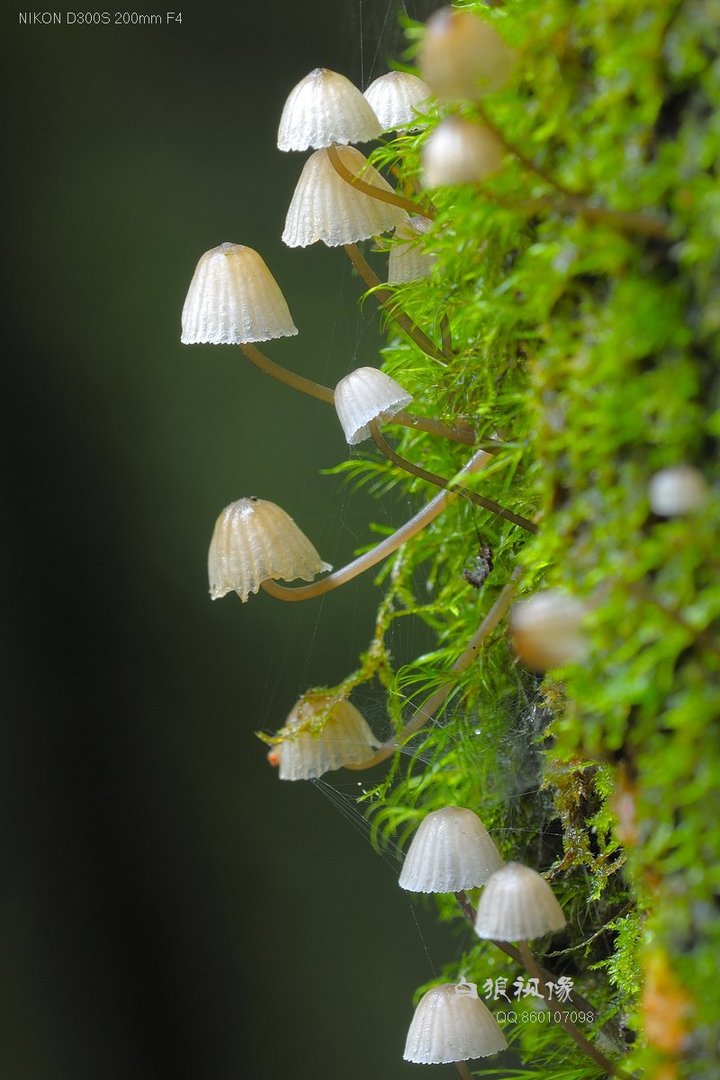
point(168, 906)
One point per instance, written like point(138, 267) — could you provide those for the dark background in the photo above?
point(168, 907)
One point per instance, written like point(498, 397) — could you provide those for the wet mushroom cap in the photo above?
point(325, 108)
point(395, 99)
point(451, 851)
point(546, 629)
point(451, 1024)
point(462, 57)
point(344, 739)
point(364, 395)
point(460, 152)
point(234, 299)
point(517, 904)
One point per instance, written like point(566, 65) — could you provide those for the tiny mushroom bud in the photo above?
point(407, 260)
point(364, 395)
point(395, 98)
point(325, 207)
point(517, 904)
point(451, 1023)
point(677, 490)
point(325, 108)
point(546, 630)
point(462, 57)
point(460, 152)
point(312, 744)
point(450, 852)
point(233, 298)
point(255, 541)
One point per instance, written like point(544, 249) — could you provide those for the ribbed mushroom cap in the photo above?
point(233, 298)
point(547, 629)
point(255, 540)
point(460, 152)
point(462, 57)
point(345, 739)
point(367, 394)
point(677, 490)
point(451, 851)
point(395, 97)
point(451, 1023)
point(407, 261)
point(325, 207)
point(325, 108)
point(517, 904)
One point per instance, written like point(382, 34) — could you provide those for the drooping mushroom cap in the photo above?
point(343, 739)
point(462, 57)
point(546, 629)
point(460, 152)
point(451, 1023)
point(395, 98)
point(367, 394)
point(517, 904)
point(325, 108)
point(326, 207)
point(677, 490)
point(233, 298)
point(451, 851)
point(253, 541)
point(407, 261)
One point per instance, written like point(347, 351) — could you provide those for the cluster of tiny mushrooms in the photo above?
point(233, 299)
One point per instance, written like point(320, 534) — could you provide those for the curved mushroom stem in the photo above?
point(628, 221)
point(520, 155)
point(324, 393)
point(380, 551)
point(374, 192)
point(439, 481)
point(386, 301)
point(427, 710)
point(531, 966)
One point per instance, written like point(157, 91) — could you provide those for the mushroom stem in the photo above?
point(625, 221)
point(427, 710)
point(386, 301)
point(520, 155)
point(446, 334)
point(381, 551)
point(324, 393)
point(439, 481)
point(375, 192)
point(464, 1071)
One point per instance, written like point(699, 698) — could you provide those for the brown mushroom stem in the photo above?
point(446, 334)
point(531, 966)
point(427, 710)
point(381, 551)
point(459, 434)
point(439, 481)
point(387, 302)
point(637, 222)
point(464, 1071)
point(520, 155)
point(425, 209)
point(577, 1000)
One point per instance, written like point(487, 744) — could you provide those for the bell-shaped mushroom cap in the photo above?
point(462, 57)
point(407, 261)
point(255, 540)
point(395, 97)
point(677, 490)
point(517, 904)
point(547, 629)
point(344, 739)
point(451, 1023)
point(451, 851)
point(233, 298)
point(367, 394)
point(325, 108)
point(460, 152)
point(326, 207)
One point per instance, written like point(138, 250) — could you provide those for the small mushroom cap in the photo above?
point(233, 298)
point(367, 394)
point(325, 207)
point(345, 739)
point(677, 490)
point(451, 851)
point(546, 629)
point(325, 108)
point(517, 904)
point(451, 1023)
point(407, 260)
point(460, 152)
point(255, 540)
point(395, 98)
point(462, 57)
